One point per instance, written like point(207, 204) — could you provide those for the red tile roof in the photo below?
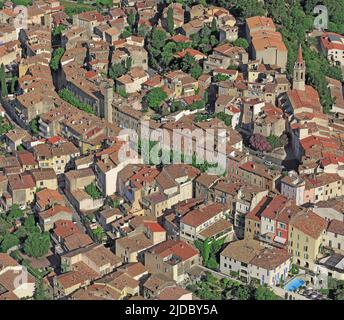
point(179, 248)
point(154, 226)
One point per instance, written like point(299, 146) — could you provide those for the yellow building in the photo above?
point(305, 238)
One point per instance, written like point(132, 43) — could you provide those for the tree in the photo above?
point(71, 98)
point(155, 97)
point(14, 81)
point(128, 63)
point(15, 213)
point(9, 241)
point(131, 19)
point(226, 118)
point(243, 9)
point(114, 203)
point(176, 105)
point(21, 233)
point(264, 293)
point(93, 191)
point(170, 21)
point(196, 71)
point(122, 92)
point(158, 38)
point(117, 70)
point(40, 292)
point(105, 3)
point(55, 60)
point(259, 142)
point(34, 125)
point(98, 234)
point(241, 42)
point(213, 25)
point(57, 31)
point(37, 244)
point(3, 83)
point(4, 126)
point(125, 33)
point(30, 225)
point(243, 293)
point(221, 77)
point(167, 54)
point(143, 31)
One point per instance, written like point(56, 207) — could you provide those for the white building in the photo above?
point(253, 262)
point(332, 45)
point(293, 187)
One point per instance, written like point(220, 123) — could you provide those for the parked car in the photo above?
point(268, 163)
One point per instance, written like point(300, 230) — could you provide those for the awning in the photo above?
point(280, 240)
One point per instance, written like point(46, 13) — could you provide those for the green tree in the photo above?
point(104, 3)
point(143, 31)
point(196, 71)
point(155, 97)
point(264, 293)
point(126, 33)
point(131, 19)
point(114, 203)
point(93, 191)
point(158, 38)
point(8, 241)
point(30, 225)
point(170, 21)
point(37, 244)
point(243, 293)
point(167, 54)
point(98, 234)
point(4, 126)
point(71, 98)
point(241, 42)
point(40, 292)
point(3, 83)
point(243, 9)
point(214, 25)
point(117, 70)
point(57, 31)
point(55, 60)
point(34, 125)
point(14, 81)
point(221, 77)
point(15, 213)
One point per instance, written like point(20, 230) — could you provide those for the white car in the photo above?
point(268, 163)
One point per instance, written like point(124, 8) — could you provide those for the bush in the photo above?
point(93, 191)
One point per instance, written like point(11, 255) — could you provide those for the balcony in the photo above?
point(269, 241)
